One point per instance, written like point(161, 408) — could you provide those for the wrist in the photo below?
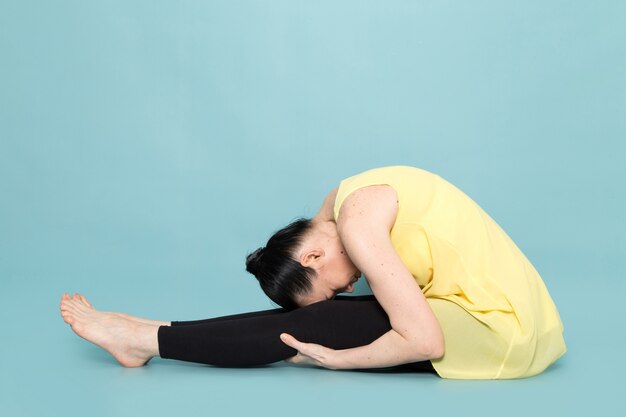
point(337, 360)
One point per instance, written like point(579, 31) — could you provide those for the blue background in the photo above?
point(146, 147)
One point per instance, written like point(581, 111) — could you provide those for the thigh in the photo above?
point(356, 321)
point(473, 349)
point(342, 323)
point(253, 338)
point(262, 313)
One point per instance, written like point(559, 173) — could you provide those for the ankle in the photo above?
point(148, 343)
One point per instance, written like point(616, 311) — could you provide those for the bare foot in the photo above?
point(127, 316)
point(131, 342)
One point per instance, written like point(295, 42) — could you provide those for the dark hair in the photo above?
point(280, 275)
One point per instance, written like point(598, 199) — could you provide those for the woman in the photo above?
point(452, 294)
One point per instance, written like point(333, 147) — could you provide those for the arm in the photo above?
point(364, 223)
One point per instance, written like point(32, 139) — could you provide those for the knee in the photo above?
point(314, 311)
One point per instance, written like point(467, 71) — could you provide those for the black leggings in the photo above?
point(252, 339)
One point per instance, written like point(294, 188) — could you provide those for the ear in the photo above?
point(311, 257)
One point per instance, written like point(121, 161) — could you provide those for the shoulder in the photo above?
point(379, 196)
point(372, 206)
point(399, 177)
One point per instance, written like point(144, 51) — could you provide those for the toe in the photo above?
point(74, 301)
point(67, 317)
point(69, 306)
point(84, 300)
point(79, 301)
point(67, 301)
point(79, 305)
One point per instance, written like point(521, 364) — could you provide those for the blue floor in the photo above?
point(47, 370)
point(147, 147)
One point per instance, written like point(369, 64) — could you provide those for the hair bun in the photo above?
point(254, 260)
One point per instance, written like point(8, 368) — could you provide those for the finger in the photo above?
point(300, 359)
point(289, 340)
point(293, 359)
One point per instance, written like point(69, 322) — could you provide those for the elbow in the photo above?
point(431, 349)
point(436, 351)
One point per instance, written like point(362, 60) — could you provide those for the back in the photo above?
point(479, 284)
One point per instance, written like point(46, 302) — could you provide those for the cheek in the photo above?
point(340, 265)
point(347, 263)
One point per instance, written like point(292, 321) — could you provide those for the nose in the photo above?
point(349, 288)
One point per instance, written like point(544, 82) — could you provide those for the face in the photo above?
point(335, 274)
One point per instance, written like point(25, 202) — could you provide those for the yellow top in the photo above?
point(495, 312)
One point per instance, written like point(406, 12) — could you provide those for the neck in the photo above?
point(324, 228)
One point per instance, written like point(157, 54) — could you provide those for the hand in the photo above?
point(310, 353)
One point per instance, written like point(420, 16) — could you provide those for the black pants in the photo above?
point(252, 339)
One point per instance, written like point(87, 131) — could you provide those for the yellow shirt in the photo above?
point(495, 312)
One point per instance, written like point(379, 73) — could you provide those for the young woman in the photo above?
point(452, 294)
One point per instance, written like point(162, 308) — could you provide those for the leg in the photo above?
point(253, 338)
point(230, 317)
point(238, 340)
point(131, 340)
point(257, 313)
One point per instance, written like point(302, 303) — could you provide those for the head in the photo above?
point(303, 263)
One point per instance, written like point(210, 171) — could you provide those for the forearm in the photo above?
point(390, 349)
